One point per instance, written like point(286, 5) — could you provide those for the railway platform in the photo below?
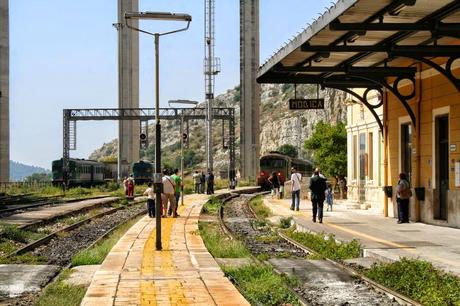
point(183, 273)
point(49, 212)
point(382, 238)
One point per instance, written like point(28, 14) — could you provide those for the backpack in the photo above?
point(405, 193)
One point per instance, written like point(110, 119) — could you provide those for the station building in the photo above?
point(400, 60)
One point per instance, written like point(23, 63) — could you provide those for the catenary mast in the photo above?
point(211, 68)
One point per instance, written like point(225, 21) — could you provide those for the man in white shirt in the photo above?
point(296, 178)
point(169, 188)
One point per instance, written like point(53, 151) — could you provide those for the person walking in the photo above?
point(169, 188)
point(275, 184)
point(179, 187)
point(318, 188)
point(202, 182)
point(210, 182)
point(329, 197)
point(150, 200)
point(296, 178)
point(403, 195)
point(197, 181)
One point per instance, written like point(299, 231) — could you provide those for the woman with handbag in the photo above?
point(403, 194)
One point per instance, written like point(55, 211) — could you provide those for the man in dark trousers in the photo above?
point(318, 188)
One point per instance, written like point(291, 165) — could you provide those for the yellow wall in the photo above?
point(434, 91)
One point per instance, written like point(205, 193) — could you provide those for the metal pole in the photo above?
point(182, 157)
point(157, 178)
point(209, 85)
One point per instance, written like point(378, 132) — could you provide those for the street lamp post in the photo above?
point(157, 179)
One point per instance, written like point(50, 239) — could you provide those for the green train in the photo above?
point(81, 172)
point(143, 171)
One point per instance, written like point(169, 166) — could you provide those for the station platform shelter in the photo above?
point(400, 59)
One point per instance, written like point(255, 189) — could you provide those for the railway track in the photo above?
point(322, 282)
point(59, 247)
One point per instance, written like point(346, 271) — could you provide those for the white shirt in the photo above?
point(296, 178)
point(150, 193)
point(168, 185)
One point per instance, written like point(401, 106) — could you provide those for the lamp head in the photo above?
point(158, 16)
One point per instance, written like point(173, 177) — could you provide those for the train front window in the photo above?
point(272, 163)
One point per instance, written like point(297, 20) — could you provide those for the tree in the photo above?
point(329, 147)
point(288, 150)
point(38, 178)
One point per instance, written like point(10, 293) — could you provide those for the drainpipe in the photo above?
point(385, 151)
point(418, 180)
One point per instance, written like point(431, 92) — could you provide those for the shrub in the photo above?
point(327, 246)
point(260, 285)
point(419, 280)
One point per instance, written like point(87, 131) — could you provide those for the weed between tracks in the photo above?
point(260, 285)
point(418, 280)
point(62, 294)
point(259, 208)
point(218, 244)
point(326, 245)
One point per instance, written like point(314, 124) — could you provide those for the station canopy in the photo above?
point(370, 44)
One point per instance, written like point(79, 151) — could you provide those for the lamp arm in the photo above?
point(160, 34)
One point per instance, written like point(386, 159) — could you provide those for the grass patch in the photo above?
point(212, 206)
point(285, 223)
point(97, 253)
point(12, 232)
point(7, 246)
point(326, 245)
point(260, 285)
point(259, 208)
point(218, 244)
point(60, 293)
point(26, 258)
point(419, 280)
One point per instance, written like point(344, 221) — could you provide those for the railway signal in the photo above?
point(143, 140)
point(184, 138)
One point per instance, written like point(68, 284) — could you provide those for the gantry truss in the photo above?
point(71, 116)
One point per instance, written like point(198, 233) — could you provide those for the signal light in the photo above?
point(184, 137)
point(143, 140)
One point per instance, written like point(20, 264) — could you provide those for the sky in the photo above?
point(63, 54)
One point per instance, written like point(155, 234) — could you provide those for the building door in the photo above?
point(442, 166)
point(406, 150)
point(362, 167)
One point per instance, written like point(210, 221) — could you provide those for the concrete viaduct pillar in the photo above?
point(128, 86)
point(4, 93)
point(250, 90)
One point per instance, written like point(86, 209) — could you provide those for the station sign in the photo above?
point(297, 104)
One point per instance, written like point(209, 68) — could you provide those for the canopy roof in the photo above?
point(355, 39)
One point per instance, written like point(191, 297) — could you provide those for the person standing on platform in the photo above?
point(318, 189)
point(403, 194)
point(125, 185)
point(178, 180)
point(169, 188)
point(131, 187)
point(202, 182)
point(296, 178)
point(329, 197)
point(197, 181)
point(150, 200)
point(210, 182)
point(275, 184)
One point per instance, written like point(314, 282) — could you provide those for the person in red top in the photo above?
point(131, 186)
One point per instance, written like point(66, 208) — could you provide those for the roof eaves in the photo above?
point(321, 22)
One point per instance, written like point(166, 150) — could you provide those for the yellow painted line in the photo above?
point(160, 263)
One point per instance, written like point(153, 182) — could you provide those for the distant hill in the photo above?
point(20, 171)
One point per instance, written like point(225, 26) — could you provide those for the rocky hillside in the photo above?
point(279, 125)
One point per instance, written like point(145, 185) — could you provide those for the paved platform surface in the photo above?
point(381, 237)
point(49, 212)
point(183, 273)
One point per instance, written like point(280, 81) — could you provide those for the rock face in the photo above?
point(279, 125)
